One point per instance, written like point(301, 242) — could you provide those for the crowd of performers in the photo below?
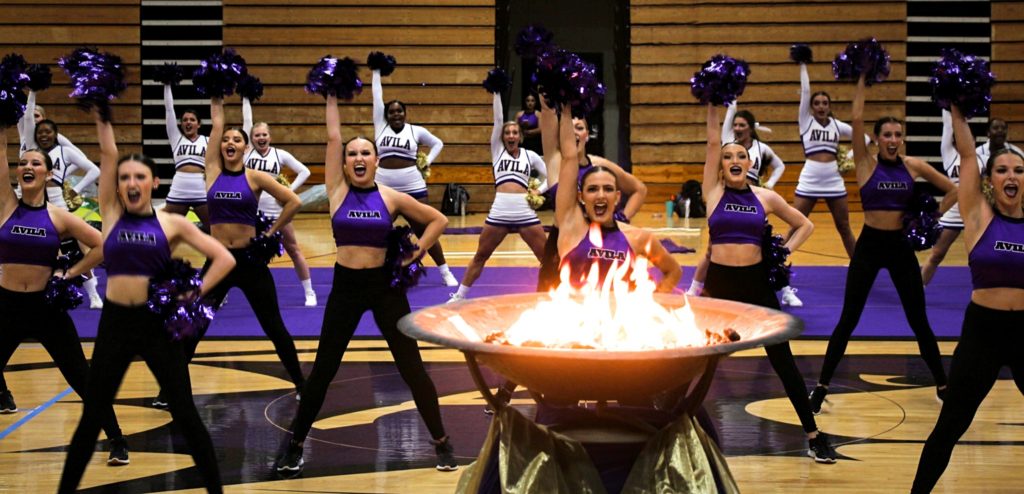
point(244, 207)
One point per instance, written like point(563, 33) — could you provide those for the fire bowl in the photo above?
point(583, 374)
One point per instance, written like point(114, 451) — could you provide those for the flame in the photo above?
point(618, 313)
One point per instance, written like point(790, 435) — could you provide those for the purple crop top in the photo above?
point(29, 237)
point(997, 260)
point(528, 121)
point(613, 247)
point(136, 246)
point(362, 219)
point(738, 219)
point(890, 187)
point(231, 200)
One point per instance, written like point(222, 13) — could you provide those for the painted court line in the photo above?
point(35, 411)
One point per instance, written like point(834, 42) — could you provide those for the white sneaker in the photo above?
point(789, 297)
point(95, 303)
point(455, 297)
point(692, 293)
point(310, 299)
point(449, 279)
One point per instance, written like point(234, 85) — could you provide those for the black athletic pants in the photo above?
point(877, 249)
point(990, 339)
point(256, 282)
point(26, 315)
point(548, 278)
point(354, 292)
point(749, 284)
point(125, 332)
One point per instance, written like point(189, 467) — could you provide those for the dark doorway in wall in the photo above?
point(599, 33)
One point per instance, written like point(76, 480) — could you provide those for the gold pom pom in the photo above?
point(71, 198)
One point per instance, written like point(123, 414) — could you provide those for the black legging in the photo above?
point(749, 284)
point(125, 332)
point(256, 282)
point(990, 339)
point(28, 315)
point(548, 278)
point(877, 249)
point(353, 292)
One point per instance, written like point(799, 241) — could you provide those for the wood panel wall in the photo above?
point(1008, 66)
point(42, 31)
point(444, 49)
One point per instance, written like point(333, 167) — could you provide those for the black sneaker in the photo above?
point(7, 404)
point(291, 461)
point(160, 402)
point(118, 452)
point(503, 396)
point(445, 458)
point(820, 449)
point(817, 397)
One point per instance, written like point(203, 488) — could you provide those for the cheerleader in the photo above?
point(997, 130)
point(993, 327)
point(529, 122)
point(361, 217)
point(188, 186)
point(231, 197)
point(886, 189)
point(820, 133)
point(137, 244)
point(398, 143)
point(27, 126)
point(737, 270)
point(261, 156)
point(30, 237)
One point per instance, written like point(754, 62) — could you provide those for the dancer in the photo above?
point(263, 157)
point(820, 133)
point(739, 272)
point(398, 142)
point(952, 223)
point(991, 337)
point(361, 213)
point(138, 242)
point(188, 146)
point(997, 130)
point(510, 212)
point(886, 189)
point(231, 196)
point(27, 125)
point(529, 123)
point(30, 238)
point(741, 127)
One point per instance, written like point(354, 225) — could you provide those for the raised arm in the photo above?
point(301, 171)
point(27, 124)
point(379, 118)
point(247, 118)
point(566, 207)
point(78, 160)
point(947, 148)
point(713, 153)
point(425, 138)
point(7, 197)
point(727, 133)
point(334, 176)
point(110, 205)
point(805, 116)
point(499, 119)
point(548, 125)
point(971, 200)
point(863, 161)
point(170, 119)
point(628, 184)
point(213, 164)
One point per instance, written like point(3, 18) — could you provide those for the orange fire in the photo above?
point(618, 314)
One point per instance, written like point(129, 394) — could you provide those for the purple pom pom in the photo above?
point(720, 80)
point(564, 77)
point(13, 72)
point(801, 53)
point(774, 252)
point(379, 61)
point(964, 81)
point(218, 74)
point(12, 106)
point(168, 73)
point(173, 296)
point(334, 77)
point(189, 318)
point(533, 40)
point(497, 81)
point(866, 56)
point(39, 76)
point(250, 87)
point(921, 222)
point(64, 294)
point(263, 248)
point(401, 249)
point(97, 78)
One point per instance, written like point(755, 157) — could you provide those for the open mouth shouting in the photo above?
point(28, 177)
point(1011, 190)
point(600, 208)
point(134, 196)
point(736, 170)
point(359, 170)
point(230, 152)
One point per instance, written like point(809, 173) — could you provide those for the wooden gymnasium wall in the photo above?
point(1008, 65)
point(444, 48)
point(42, 31)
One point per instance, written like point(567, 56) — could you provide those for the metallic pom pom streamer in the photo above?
point(720, 80)
point(168, 73)
point(97, 78)
point(497, 81)
point(250, 87)
point(865, 56)
point(173, 296)
point(12, 106)
point(533, 40)
point(801, 53)
point(962, 80)
point(218, 74)
point(334, 77)
point(774, 252)
point(536, 201)
point(64, 294)
point(567, 78)
point(263, 248)
point(400, 249)
point(13, 72)
point(377, 60)
point(921, 222)
point(40, 77)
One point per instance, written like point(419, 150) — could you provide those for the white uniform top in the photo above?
point(274, 161)
point(984, 152)
point(815, 136)
point(66, 160)
point(27, 128)
point(185, 151)
point(404, 143)
point(508, 168)
point(759, 152)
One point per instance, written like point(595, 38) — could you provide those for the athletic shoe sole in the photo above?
point(289, 468)
point(117, 462)
point(446, 468)
point(827, 461)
